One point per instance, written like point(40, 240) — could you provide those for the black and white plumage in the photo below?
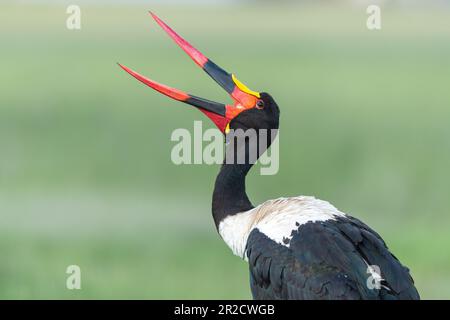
point(299, 247)
point(304, 248)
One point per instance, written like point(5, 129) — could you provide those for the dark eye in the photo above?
point(260, 104)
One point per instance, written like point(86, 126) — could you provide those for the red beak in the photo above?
point(219, 113)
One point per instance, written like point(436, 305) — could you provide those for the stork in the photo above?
point(296, 247)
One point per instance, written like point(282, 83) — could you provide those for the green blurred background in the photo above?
point(85, 170)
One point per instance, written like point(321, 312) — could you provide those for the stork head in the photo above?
point(249, 110)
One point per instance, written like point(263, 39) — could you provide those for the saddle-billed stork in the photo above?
point(296, 247)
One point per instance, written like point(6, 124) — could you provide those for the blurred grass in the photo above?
point(85, 171)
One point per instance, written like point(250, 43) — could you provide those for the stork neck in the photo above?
point(229, 195)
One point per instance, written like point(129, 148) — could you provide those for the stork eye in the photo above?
point(260, 104)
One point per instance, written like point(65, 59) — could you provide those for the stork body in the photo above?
point(304, 248)
point(298, 247)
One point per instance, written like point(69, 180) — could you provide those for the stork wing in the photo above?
point(326, 260)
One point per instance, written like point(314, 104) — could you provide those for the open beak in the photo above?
point(219, 113)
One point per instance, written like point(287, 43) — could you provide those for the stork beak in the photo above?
point(219, 113)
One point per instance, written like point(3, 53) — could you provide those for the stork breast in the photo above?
point(277, 219)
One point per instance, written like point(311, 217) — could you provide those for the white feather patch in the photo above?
point(276, 219)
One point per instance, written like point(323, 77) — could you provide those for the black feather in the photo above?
point(326, 260)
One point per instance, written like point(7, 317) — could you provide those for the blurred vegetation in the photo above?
point(85, 170)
